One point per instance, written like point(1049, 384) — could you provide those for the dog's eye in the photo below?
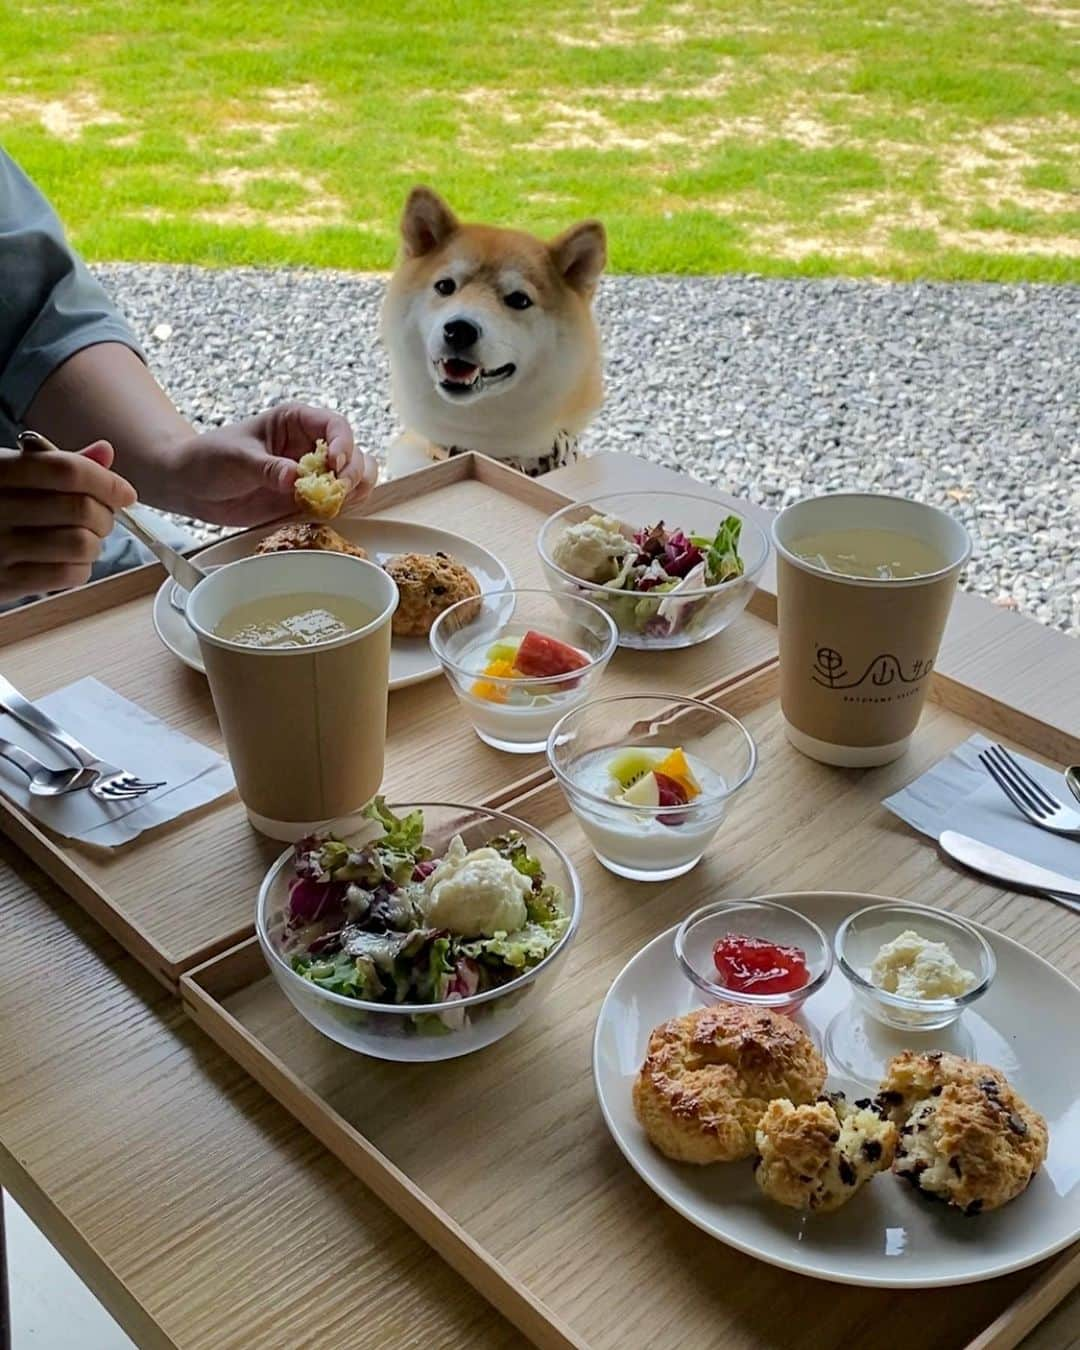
point(446, 286)
point(517, 300)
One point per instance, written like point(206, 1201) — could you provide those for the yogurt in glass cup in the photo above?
point(634, 839)
point(515, 712)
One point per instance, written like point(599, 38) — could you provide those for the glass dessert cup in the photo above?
point(861, 936)
point(641, 842)
point(517, 713)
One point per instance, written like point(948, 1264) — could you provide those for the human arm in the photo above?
point(240, 474)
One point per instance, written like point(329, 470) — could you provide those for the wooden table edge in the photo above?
point(79, 1252)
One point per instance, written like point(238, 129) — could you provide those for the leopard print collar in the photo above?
point(565, 451)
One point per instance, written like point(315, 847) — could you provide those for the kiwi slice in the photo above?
point(630, 766)
point(502, 651)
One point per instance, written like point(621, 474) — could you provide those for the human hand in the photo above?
point(55, 510)
point(244, 474)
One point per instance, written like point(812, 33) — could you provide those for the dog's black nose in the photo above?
point(459, 334)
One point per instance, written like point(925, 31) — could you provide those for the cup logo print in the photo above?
point(830, 672)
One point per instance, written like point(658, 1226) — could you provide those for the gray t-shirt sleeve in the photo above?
point(50, 305)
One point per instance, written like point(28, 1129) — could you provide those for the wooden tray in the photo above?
point(501, 1161)
point(177, 895)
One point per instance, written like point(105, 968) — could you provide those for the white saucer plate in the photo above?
point(888, 1235)
point(411, 659)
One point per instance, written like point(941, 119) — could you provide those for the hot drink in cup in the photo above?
point(864, 587)
point(297, 651)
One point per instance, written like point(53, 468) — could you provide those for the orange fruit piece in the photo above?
point(675, 765)
point(495, 693)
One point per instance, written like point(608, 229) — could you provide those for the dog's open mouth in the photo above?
point(465, 377)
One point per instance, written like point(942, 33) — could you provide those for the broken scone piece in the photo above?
point(815, 1157)
point(308, 535)
point(966, 1135)
point(319, 490)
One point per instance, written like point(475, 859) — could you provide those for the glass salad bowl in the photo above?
point(672, 569)
point(563, 642)
point(300, 920)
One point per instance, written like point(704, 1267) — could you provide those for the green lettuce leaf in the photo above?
point(521, 950)
point(403, 834)
point(401, 846)
point(546, 906)
point(722, 561)
point(431, 980)
point(514, 848)
point(352, 976)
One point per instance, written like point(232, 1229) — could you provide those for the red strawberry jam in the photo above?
point(751, 965)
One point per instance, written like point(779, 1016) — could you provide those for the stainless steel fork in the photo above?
point(1030, 798)
point(110, 783)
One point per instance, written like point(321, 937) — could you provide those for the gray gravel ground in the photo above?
point(961, 395)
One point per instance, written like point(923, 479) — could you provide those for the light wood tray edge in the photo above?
point(201, 990)
point(204, 989)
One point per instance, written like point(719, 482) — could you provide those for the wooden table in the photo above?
point(188, 1200)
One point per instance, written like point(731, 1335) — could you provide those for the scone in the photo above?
point(709, 1076)
point(319, 490)
point(966, 1136)
point(815, 1157)
point(428, 584)
point(308, 536)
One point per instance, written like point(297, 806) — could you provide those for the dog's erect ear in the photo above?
point(580, 254)
point(426, 223)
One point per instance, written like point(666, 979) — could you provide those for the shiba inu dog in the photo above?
point(492, 340)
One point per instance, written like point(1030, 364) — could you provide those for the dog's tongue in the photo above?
point(458, 369)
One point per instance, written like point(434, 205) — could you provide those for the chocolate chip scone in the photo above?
point(427, 584)
point(308, 535)
point(966, 1135)
point(709, 1076)
point(816, 1156)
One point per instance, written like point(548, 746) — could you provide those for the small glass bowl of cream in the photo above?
point(912, 967)
point(520, 660)
point(754, 952)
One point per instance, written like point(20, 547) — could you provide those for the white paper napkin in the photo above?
point(124, 734)
point(959, 794)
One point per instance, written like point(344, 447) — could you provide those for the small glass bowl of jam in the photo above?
point(753, 952)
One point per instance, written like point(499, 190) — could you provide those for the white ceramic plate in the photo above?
point(887, 1235)
point(411, 659)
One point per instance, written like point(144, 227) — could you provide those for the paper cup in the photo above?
point(856, 654)
point(304, 727)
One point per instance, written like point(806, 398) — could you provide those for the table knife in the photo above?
point(1013, 871)
point(177, 566)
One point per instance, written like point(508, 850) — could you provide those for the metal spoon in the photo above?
point(178, 567)
point(1072, 778)
point(45, 782)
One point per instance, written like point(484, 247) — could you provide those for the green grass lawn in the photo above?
point(929, 138)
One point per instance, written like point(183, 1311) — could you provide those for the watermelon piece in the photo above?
point(541, 656)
